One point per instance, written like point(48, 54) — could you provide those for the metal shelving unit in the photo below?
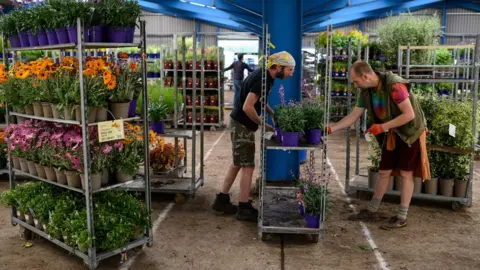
point(286, 196)
point(359, 183)
point(91, 258)
point(183, 179)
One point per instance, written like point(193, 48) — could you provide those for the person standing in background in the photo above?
point(238, 69)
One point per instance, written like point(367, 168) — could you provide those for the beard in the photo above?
point(281, 74)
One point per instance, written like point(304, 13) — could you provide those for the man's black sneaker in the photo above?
point(246, 212)
point(223, 205)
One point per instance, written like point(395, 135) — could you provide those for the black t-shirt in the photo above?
point(238, 68)
point(252, 84)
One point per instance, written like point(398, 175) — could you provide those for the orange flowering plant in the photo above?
point(129, 81)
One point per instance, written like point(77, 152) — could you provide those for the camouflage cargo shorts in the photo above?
point(243, 144)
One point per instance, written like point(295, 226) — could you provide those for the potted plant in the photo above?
point(127, 82)
point(157, 111)
point(291, 121)
point(374, 155)
point(127, 159)
point(314, 197)
point(313, 115)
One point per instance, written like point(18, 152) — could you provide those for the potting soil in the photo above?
point(280, 210)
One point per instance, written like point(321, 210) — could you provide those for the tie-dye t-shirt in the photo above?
point(399, 94)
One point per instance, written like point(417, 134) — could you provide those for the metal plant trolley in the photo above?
point(462, 90)
point(292, 222)
point(179, 180)
point(92, 258)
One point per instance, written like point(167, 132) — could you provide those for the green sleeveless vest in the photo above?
point(411, 131)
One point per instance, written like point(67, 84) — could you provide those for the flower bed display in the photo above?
point(55, 22)
point(43, 88)
point(119, 217)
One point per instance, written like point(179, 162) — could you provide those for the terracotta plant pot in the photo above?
point(73, 179)
point(446, 187)
point(190, 83)
point(431, 186)
point(31, 168)
point(120, 110)
point(123, 177)
point(372, 178)
point(417, 182)
point(460, 188)
point(16, 162)
point(38, 224)
point(29, 109)
point(50, 173)
point(29, 219)
point(55, 112)
point(37, 109)
point(40, 171)
point(189, 101)
point(189, 120)
point(47, 110)
point(23, 165)
point(68, 113)
point(20, 215)
point(60, 176)
point(102, 114)
point(96, 181)
point(212, 118)
point(398, 183)
point(213, 101)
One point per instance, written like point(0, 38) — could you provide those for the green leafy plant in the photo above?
point(291, 119)
point(374, 155)
point(313, 114)
point(443, 57)
point(156, 91)
point(157, 110)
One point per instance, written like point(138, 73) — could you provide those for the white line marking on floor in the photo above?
point(381, 261)
point(476, 173)
point(169, 206)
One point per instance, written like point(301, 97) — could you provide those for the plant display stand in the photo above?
point(465, 89)
point(187, 175)
point(91, 256)
point(278, 210)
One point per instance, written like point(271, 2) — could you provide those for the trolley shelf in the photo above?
point(80, 190)
point(281, 214)
point(360, 183)
point(190, 70)
point(100, 256)
point(272, 145)
point(166, 185)
point(63, 121)
point(87, 45)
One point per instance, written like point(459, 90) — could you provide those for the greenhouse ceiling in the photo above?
point(247, 15)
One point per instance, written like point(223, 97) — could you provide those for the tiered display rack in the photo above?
point(92, 258)
point(266, 224)
point(179, 180)
point(359, 183)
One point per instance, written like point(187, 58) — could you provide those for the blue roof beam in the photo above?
point(314, 13)
point(252, 7)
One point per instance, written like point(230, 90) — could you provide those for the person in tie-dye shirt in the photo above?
point(394, 109)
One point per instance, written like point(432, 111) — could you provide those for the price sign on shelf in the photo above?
point(451, 130)
point(111, 131)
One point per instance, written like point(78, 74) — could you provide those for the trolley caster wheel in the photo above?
point(314, 238)
point(457, 206)
point(212, 128)
point(26, 234)
point(266, 237)
point(180, 198)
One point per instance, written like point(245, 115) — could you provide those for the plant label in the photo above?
point(451, 130)
point(111, 131)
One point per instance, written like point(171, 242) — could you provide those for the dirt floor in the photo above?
point(190, 236)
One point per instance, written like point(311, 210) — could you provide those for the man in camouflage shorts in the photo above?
point(244, 122)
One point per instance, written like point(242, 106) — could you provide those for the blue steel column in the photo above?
point(284, 19)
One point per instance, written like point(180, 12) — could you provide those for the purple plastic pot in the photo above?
point(278, 138)
point(158, 126)
point(52, 37)
point(24, 39)
point(129, 34)
point(313, 136)
point(15, 41)
point(290, 138)
point(301, 209)
point(133, 108)
point(62, 35)
point(96, 34)
point(312, 221)
point(116, 35)
point(150, 75)
point(72, 34)
point(42, 38)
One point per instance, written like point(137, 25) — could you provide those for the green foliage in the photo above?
point(313, 115)
point(374, 154)
point(167, 94)
point(410, 29)
point(157, 110)
point(291, 119)
point(443, 57)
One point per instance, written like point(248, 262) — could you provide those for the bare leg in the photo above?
point(230, 178)
point(246, 183)
point(407, 188)
point(382, 184)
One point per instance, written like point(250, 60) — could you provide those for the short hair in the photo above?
point(240, 56)
point(361, 67)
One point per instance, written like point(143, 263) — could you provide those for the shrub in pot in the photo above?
point(127, 158)
point(374, 155)
point(157, 112)
point(291, 121)
point(314, 197)
point(124, 85)
point(313, 115)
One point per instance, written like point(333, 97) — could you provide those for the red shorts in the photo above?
point(403, 157)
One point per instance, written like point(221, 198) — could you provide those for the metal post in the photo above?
point(434, 64)
point(184, 74)
point(162, 65)
point(349, 105)
point(399, 61)
point(202, 112)
point(86, 149)
point(146, 128)
point(476, 62)
point(175, 85)
point(407, 68)
point(194, 111)
point(357, 123)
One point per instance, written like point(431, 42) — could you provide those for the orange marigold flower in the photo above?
point(123, 55)
point(133, 67)
point(111, 85)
